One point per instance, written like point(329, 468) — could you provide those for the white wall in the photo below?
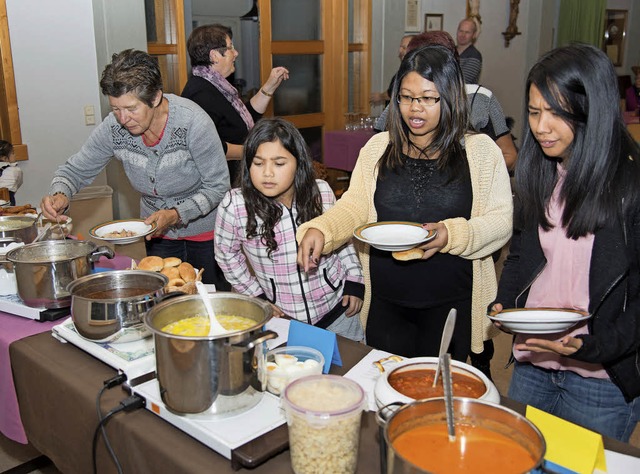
point(119, 25)
point(504, 68)
point(54, 59)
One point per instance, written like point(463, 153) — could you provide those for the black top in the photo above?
point(229, 123)
point(420, 192)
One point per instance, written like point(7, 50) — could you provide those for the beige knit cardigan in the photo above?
point(488, 229)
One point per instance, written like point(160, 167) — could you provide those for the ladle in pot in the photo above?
point(215, 328)
point(445, 360)
point(447, 334)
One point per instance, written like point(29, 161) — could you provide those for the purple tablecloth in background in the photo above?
point(342, 147)
point(13, 328)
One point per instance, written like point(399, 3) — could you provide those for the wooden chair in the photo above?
point(4, 194)
point(634, 130)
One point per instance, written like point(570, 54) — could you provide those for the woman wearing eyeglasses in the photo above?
point(213, 59)
point(425, 169)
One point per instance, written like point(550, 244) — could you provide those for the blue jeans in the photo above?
point(596, 404)
point(198, 254)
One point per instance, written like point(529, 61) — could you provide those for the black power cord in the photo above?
point(107, 384)
point(131, 403)
point(128, 404)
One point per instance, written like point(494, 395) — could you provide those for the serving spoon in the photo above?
point(215, 328)
point(448, 395)
point(447, 334)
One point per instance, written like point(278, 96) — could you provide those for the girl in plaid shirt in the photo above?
point(255, 231)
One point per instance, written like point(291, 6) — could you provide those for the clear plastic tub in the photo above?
point(286, 364)
point(323, 414)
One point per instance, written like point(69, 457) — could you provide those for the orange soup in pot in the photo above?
point(475, 450)
point(418, 383)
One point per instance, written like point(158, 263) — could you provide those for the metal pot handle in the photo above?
point(380, 363)
point(103, 250)
point(259, 338)
point(171, 294)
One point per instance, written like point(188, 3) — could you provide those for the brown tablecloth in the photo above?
point(57, 386)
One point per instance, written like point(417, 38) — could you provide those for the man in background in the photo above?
point(382, 98)
point(470, 57)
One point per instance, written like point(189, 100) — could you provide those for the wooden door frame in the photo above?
point(10, 114)
point(178, 45)
point(335, 66)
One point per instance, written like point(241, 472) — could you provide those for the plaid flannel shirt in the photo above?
point(303, 296)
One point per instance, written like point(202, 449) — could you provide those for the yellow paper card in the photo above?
point(568, 444)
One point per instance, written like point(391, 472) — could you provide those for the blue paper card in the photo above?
point(554, 468)
point(301, 334)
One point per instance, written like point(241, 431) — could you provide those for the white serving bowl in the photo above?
point(385, 394)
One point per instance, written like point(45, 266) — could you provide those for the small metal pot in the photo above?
point(45, 269)
point(19, 227)
point(466, 411)
point(220, 375)
point(109, 306)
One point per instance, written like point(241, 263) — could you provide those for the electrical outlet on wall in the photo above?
point(89, 115)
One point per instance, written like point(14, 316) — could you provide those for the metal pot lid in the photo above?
point(9, 223)
point(84, 286)
point(51, 251)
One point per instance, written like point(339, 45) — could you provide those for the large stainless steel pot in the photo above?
point(109, 306)
point(19, 227)
point(470, 412)
point(45, 269)
point(219, 375)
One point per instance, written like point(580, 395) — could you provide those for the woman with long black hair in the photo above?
point(576, 245)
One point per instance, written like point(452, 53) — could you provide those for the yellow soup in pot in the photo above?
point(199, 325)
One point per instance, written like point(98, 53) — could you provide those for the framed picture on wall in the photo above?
point(615, 32)
point(412, 16)
point(433, 22)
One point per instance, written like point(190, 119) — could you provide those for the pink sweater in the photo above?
point(563, 283)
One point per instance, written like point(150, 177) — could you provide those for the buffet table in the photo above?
point(13, 328)
point(57, 386)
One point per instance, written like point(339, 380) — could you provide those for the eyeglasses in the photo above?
point(224, 49)
point(424, 101)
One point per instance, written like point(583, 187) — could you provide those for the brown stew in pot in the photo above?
point(418, 383)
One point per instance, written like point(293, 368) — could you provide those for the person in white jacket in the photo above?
point(10, 174)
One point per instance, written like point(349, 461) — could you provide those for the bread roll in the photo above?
point(152, 264)
point(171, 272)
point(187, 272)
point(177, 282)
point(171, 262)
point(411, 254)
